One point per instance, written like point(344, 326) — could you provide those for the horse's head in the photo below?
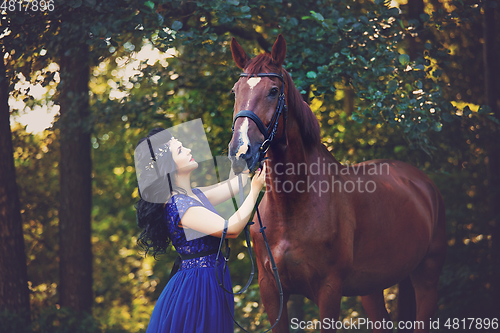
point(259, 97)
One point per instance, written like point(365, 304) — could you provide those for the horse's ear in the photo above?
point(240, 57)
point(278, 52)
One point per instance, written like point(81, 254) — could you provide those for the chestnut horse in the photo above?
point(334, 229)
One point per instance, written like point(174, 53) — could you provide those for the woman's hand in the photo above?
point(259, 179)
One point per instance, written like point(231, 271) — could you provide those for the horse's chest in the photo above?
point(294, 267)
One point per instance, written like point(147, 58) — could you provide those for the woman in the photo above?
point(192, 301)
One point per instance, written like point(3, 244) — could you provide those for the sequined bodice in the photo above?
point(190, 241)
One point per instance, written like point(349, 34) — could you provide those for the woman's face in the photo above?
point(182, 157)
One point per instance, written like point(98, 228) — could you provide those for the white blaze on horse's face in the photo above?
point(243, 130)
point(244, 137)
point(252, 82)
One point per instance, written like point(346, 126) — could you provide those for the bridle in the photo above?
point(268, 138)
point(273, 125)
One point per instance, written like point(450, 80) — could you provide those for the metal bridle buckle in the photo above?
point(264, 147)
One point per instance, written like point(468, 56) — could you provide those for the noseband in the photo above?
point(273, 125)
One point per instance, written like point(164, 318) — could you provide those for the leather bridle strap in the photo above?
point(226, 258)
point(249, 114)
point(268, 138)
point(268, 132)
point(228, 249)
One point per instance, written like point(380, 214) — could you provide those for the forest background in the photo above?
point(413, 80)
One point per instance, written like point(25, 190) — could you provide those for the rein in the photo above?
point(227, 249)
point(226, 259)
point(268, 138)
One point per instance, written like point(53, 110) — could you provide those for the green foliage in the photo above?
point(65, 321)
point(13, 322)
point(36, 159)
point(52, 320)
point(339, 42)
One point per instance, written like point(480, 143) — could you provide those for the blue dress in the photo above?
point(192, 300)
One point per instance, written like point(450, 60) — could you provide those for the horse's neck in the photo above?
point(292, 168)
point(296, 154)
point(297, 162)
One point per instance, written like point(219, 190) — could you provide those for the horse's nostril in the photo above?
point(238, 165)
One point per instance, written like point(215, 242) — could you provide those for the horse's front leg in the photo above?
point(328, 300)
point(271, 300)
point(374, 305)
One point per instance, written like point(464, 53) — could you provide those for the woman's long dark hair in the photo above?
point(155, 237)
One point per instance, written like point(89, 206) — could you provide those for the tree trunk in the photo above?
point(415, 9)
point(14, 293)
point(348, 100)
point(75, 284)
point(493, 145)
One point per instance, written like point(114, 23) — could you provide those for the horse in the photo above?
point(379, 222)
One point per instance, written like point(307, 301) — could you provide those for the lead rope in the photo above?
point(228, 249)
point(226, 259)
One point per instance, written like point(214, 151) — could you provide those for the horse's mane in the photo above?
point(307, 121)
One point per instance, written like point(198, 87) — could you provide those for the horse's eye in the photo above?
point(273, 92)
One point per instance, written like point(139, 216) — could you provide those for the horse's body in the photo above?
point(378, 222)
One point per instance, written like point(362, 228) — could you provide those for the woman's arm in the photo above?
point(220, 192)
point(209, 223)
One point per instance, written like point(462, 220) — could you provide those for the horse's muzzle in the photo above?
point(244, 162)
point(238, 164)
